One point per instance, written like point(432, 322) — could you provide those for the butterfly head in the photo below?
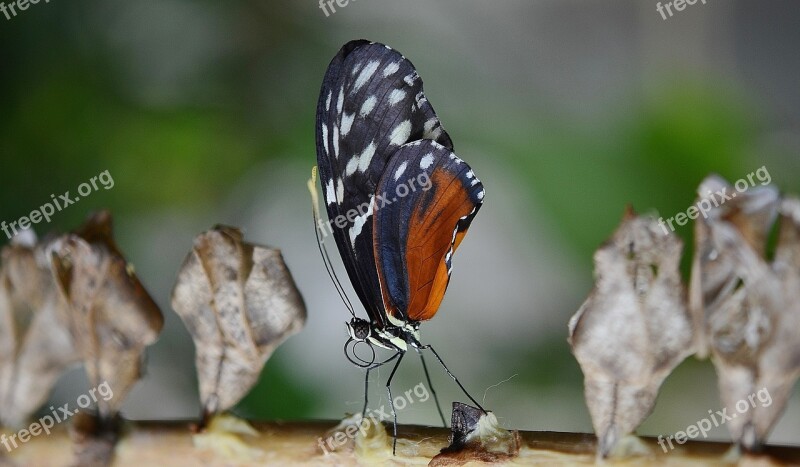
point(359, 329)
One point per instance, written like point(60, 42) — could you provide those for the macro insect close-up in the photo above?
point(239, 234)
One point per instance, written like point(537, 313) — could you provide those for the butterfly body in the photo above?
point(396, 338)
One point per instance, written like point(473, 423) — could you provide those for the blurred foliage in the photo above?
point(278, 396)
point(652, 157)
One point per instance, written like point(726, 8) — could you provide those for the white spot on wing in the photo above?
point(352, 165)
point(368, 106)
point(400, 171)
point(347, 123)
point(330, 196)
point(449, 256)
point(426, 161)
point(361, 161)
point(328, 101)
point(437, 132)
point(325, 139)
point(336, 141)
point(340, 191)
point(430, 124)
point(340, 100)
point(401, 133)
point(358, 224)
point(391, 69)
point(366, 157)
point(356, 68)
point(396, 96)
point(365, 75)
point(481, 194)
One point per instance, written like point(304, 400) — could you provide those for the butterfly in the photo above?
point(399, 200)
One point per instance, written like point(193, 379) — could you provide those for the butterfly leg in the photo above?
point(430, 385)
point(366, 394)
point(366, 381)
point(400, 356)
point(453, 376)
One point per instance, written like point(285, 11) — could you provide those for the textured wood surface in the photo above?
point(298, 443)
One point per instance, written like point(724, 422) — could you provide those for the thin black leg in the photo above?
point(366, 394)
point(454, 377)
point(391, 401)
point(366, 382)
point(430, 385)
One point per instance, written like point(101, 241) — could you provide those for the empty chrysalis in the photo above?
point(112, 318)
point(239, 302)
point(729, 234)
point(633, 329)
point(35, 344)
point(477, 437)
point(748, 308)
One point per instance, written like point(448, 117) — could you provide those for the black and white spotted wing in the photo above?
point(371, 103)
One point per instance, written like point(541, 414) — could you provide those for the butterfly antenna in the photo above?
point(326, 259)
point(334, 277)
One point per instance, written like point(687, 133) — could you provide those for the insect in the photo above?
point(399, 201)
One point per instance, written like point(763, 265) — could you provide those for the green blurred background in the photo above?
point(203, 112)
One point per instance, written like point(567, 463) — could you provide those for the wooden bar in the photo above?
point(299, 443)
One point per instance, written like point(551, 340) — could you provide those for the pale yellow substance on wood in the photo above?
point(296, 443)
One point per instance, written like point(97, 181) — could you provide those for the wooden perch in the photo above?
point(298, 443)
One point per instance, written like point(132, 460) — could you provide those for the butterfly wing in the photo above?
point(431, 198)
point(371, 103)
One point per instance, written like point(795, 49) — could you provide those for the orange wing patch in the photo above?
point(431, 235)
